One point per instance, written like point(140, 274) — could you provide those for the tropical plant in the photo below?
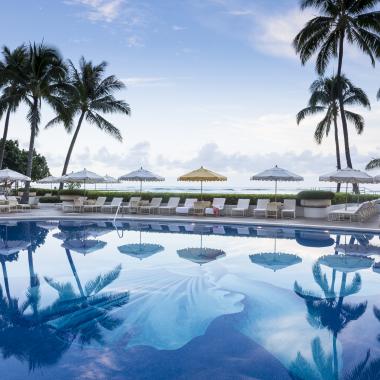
point(89, 96)
point(325, 99)
point(373, 164)
point(40, 78)
point(331, 312)
point(12, 95)
point(339, 22)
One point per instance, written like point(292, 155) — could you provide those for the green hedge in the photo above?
point(315, 194)
point(52, 199)
point(231, 199)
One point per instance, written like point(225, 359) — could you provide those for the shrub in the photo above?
point(315, 194)
point(52, 199)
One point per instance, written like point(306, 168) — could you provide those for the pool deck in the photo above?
point(49, 211)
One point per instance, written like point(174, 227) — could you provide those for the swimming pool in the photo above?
point(90, 300)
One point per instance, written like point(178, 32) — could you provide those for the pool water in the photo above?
point(90, 300)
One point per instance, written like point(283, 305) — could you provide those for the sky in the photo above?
point(209, 82)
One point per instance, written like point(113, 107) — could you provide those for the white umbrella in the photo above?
point(49, 180)
point(9, 175)
point(347, 176)
point(11, 247)
point(275, 260)
point(346, 263)
point(108, 179)
point(84, 176)
point(276, 174)
point(376, 179)
point(84, 246)
point(141, 175)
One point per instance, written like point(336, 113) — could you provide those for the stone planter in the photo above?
point(315, 208)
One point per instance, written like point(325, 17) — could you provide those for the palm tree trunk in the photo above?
point(341, 108)
point(6, 282)
point(75, 273)
point(337, 150)
point(5, 134)
point(33, 132)
point(71, 147)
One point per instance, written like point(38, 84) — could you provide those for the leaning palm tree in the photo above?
point(40, 79)
point(373, 164)
point(325, 99)
point(12, 95)
point(339, 22)
point(90, 95)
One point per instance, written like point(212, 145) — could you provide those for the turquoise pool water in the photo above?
point(89, 300)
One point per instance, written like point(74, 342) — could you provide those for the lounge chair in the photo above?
point(216, 208)
point(242, 208)
point(358, 213)
point(273, 210)
point(34, 202)
point(261, 208)
point(132, 205)
point(76, 206)
point(187, 208)
point(113, 206)
point(289, 208)
point(170, 207)
point(14, 204)
point(152, 207)
point(97, 206)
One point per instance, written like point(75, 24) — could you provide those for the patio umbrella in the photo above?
point(346, 263)
point(84, 246)
point(84, 176)
point(49, 180)
point(141, 175)
point(108, 179)
point(276, 174)
point(275, 260)
point(347, 176)
point(202, 175)
point(8, 176)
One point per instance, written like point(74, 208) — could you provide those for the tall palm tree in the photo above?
point(339, 22)
point(40, 79)
point(12, 95)
point(325, 99)
point(90, 95)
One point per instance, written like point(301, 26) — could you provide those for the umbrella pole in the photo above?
point(140, 188)
point(275, 190)
point(201, 190)
point(346, 195)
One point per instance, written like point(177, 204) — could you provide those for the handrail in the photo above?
point(117, 211)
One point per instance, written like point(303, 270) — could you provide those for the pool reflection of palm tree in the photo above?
point(327, 311)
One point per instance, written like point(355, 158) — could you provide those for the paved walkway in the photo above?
point(49, 211)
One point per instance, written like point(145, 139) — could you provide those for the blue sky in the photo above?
point(212, 82)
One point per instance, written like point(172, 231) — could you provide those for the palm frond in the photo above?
point(373, 164)
point(102, 280)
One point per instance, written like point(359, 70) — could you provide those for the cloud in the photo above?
point(178, 28)
point(135, 41)
point(100, 10)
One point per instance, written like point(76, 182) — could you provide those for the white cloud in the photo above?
point(145, 81)
point(178, 28)
point(100, 10)
point(134, 41)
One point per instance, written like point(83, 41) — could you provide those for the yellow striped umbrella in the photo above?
point(202, 175)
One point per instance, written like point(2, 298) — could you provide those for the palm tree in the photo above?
point(331, 312)
point(325, 98)
point(339, 22)
point(90, 95)
point(12, 95)
point(373, 164)
point(41, 78)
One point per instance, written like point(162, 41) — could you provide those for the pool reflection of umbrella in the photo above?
point(275, 260)
point(201, 255)
point(358, 249)
point(48, 225)
point(11, 247)
point(140, 250)
point(346, 263)
point(84, 246)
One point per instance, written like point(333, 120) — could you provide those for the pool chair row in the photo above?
point(357, 213)
point(11, 204)
point(268, 209)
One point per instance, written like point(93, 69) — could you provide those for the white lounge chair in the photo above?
point(113, 206)
point(216, 208)
point(187, 208)
point(76, 206)
point(242, 208)
point(170, 207)
point(261, 208)
point(289, 208)
point(132, 205)
point(152, 207)
point(15, 205)
point(97, 206)
point(358, 213)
